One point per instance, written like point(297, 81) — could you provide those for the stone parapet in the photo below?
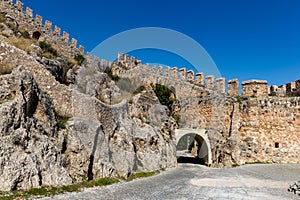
point(255, 88)
point(233, 87)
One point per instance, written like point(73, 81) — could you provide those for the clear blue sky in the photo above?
point(246, 38)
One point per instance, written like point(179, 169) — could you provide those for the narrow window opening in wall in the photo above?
point(36, 35)
point(276, 145)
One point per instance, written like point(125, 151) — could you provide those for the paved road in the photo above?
point(198, 182)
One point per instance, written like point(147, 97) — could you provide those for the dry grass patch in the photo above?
point(6, 67)
point(2, 17)
point(20, 42)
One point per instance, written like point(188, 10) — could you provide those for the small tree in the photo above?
point(79, 58)
point(163, 93)
point(47, 48)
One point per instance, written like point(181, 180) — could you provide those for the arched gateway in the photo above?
point(202, 143)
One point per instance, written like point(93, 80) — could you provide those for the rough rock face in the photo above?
point(99, 140)
point(154, 135)
point(29, 157)
point(54, 67)
point(5, 30)
point(86, 149)
point(91, 81)
point(93, 151)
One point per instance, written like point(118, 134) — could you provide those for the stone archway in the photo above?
point(200, 136)
point(36, 35)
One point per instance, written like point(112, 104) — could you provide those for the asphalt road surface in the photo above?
point(187, 181)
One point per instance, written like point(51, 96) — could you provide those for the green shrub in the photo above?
point(44, 45)
point(52, 190)
point(108, 71)
point(25, 34)
point(140, 175)
point(163, 93)
point(239, 99)
point(79, 58)
point(115, 77)
point(48, 50)
point(62, 121)
point(177, 118)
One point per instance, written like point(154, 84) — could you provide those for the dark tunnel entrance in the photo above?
point(192, 148)
point(36, 35)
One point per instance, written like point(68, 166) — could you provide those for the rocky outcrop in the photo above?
point(5, 30)
point(54, 67)
point(92, 150)
point(28, 124)
point(98, 140)
point(91, 81)
point(85, 149)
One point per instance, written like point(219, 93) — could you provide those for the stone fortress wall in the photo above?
point(42, 31)
point(250, 88)
point(269, 129)
point(61, 41)
point(266, 125)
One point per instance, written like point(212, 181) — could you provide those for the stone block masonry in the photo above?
point(210, 82)
point(190, 76)
point(200, 79)
point(221, 85)
point(182, 73)
point(298, 85)
point(270, 130)
point(255, 88)
point(26, 21)
point(290, 88)
point(233, 87)
point(60, 40)
point(279, 91)
point(250, 88)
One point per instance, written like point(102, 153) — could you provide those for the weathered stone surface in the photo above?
point(269, 130)
point(87, 153)
point(94, 83)
point(131, 145)
point(35, 49)
point(99, 140)
point(154, 134)
point(106, 136)
point(54, 67)
point(255, 88)
point(29, 157)
point(5, 30)
point(70, 77)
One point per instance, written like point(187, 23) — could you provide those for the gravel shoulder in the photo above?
point(255, 181)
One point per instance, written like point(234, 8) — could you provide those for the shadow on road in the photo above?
point(192, 160)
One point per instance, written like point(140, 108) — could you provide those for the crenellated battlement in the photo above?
point(255, 88)
point(39, 30)
point(68, 46)
point(178, 74)
point(250, 88)
point(286, 90)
